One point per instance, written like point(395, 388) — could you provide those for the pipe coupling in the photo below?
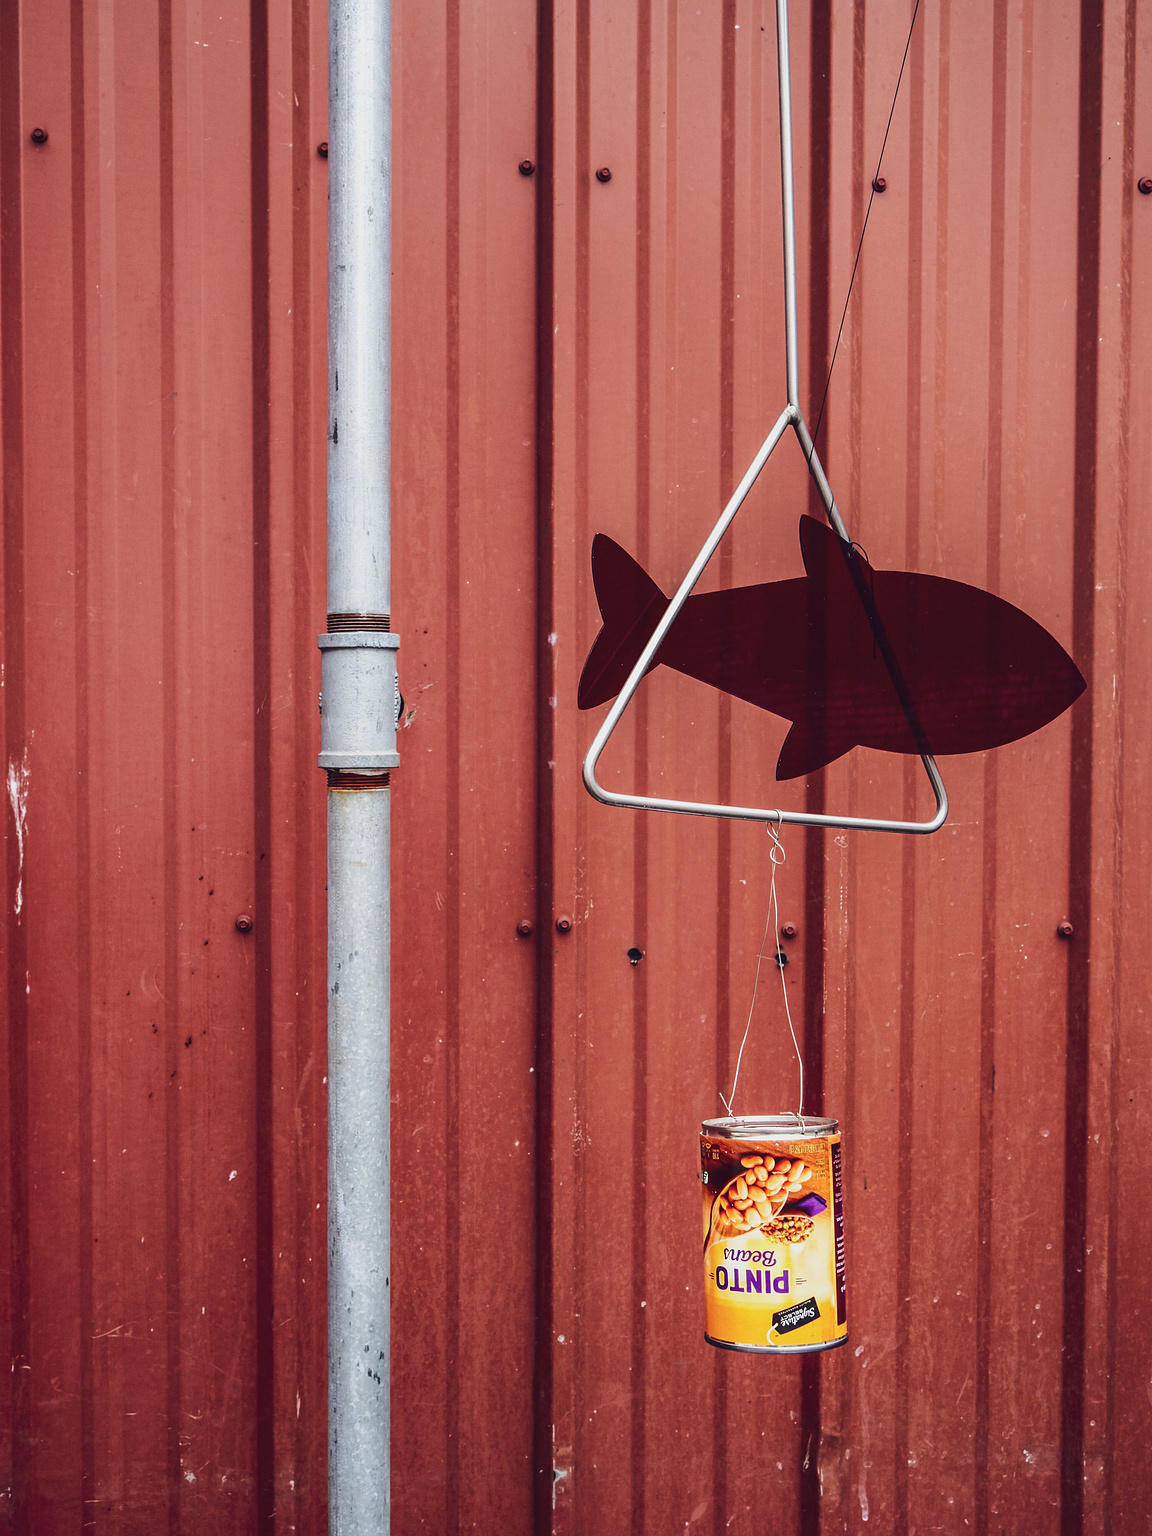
point(358, 701)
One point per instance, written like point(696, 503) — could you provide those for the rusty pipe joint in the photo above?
point(358, 708)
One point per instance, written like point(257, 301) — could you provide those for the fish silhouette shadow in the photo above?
point(852, 656)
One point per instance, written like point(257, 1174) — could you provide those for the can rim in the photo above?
point(770, 1127)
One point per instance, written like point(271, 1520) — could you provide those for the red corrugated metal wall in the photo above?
point(570, 356)
point(162, 274)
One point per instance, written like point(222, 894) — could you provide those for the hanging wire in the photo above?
point(777, 853)
point(777, 856)
point(863, 232)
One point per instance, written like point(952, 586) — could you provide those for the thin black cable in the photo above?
point(863, 232)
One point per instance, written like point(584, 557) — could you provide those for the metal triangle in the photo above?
point(793, 417)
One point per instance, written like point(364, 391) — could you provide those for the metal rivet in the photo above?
point(243, 923)
point(635, 955)
point(526, 167)
point(603, 174)
point(322, 150)
point(39, 135)
point(524, 928)
point(879, 184)
point(1143, 185)
point(1064, 929)
point(563, 925)
point(788, 931)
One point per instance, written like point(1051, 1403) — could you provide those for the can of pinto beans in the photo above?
point(773, 1234)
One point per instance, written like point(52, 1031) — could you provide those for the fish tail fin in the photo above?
point(631, 605)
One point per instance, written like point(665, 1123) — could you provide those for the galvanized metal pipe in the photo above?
point(359, 321)
point(788, 207)
point(358, 1205)
point(358, 741)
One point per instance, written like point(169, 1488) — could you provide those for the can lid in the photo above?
point(770, 1127)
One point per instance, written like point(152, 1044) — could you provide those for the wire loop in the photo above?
point(777, 856)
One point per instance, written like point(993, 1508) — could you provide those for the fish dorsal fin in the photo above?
point(841, 650)
point(842, 587)
point(823, 554)
point(631, 605)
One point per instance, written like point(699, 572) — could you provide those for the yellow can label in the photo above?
point(773, 1243)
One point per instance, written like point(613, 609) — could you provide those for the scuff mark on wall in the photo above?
point(18, 799)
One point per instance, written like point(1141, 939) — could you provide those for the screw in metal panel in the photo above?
point(1144, 185)
point(788, 931)
point(243, 923)
point(603, 174)
point(879, 184)
point(1064, 929)
point(322, 150)
point(524, 928)
point(563, 925)
point(39, 135)
point(526, 167)
point(635, 955)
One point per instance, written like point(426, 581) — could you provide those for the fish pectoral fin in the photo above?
point(812, 743)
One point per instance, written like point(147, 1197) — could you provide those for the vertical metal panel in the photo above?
point(162, 385)
point(163, 270)
point(962, 435)
point(464, 583)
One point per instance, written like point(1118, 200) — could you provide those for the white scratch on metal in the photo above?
point(18, 799)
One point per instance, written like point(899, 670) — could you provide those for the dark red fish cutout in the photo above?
point(852, 656)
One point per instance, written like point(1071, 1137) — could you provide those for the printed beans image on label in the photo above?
point(773, 1234)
